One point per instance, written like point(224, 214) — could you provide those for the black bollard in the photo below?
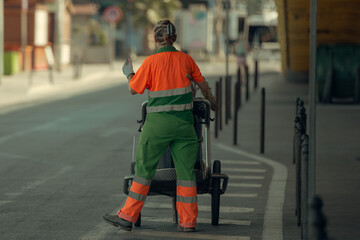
point(317, 220)
point(304, 185)
point(256, 75)
point(229, 84)
point(236, 102)
point(220, 103)
point(217, 114)
point(262, 127)
point(239, 87)
point(226, 100)
point(247, 88)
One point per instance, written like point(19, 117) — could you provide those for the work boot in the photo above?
point(118, 222)
point(185, 229)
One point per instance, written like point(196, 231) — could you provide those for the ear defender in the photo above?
point(168, 29)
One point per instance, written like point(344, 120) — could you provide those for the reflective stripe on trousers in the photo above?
point(186, 203)
point(136, 198)
point(161, 131)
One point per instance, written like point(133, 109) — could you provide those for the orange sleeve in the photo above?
point(196, 74)
point(139, 82)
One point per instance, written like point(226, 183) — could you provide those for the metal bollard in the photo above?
point(239, 87)
point(226, 100)
point(262, 125)
point(230, 89)
point(304, 185)
point(236, 102)
point(247, 88)
point(294, 134)
point(220, 102)
point(317, 220)
point(256, 75)
point(300, 132)
point(217, 112)
point(247, 72)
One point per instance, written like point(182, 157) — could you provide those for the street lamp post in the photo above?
point(312, 106)
point(60, 4)
point(128, 28)
point(24, 11)
point(227, 8)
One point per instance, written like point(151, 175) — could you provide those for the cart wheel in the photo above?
point(138, 221)
point(215, 194)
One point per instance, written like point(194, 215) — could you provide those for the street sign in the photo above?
point(112, 14)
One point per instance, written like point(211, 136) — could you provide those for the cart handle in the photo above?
point(225, 180)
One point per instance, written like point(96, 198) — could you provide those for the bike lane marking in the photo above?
point(273, 216)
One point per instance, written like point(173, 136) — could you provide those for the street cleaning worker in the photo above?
point(169, 122)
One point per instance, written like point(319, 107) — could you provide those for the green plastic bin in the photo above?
point(11, 62)
point(342, 60)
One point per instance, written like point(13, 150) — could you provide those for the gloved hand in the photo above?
point(128, 68)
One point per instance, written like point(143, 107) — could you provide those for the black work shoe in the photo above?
point(118, 222)
point(185, 229)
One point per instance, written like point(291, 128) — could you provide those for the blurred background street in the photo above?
point(68, 121)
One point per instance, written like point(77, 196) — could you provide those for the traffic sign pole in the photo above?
point(112, 15)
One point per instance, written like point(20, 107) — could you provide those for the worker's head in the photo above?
point(165, 33)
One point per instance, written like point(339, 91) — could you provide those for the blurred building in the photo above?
point(40, 26)
point(89, 38)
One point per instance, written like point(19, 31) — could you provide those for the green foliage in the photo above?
point(146, 12)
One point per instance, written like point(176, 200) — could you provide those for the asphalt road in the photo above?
point(62, 168)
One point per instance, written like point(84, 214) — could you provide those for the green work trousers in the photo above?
point(160, 131)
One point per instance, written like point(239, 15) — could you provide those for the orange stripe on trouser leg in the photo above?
point(188, 212)
point(132, 208)
point(139, 188)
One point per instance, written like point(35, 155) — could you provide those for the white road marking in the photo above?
point(273, 216)
point(33, 185)
point(6, 138)
point(240, 162)
point(231, 195)
point(246, 177)
point(4, 202)
point(245, 185)
point(182, 235)
point(199, 220)
point(9, 155)
point(116, 131)
point(252, 170)
point(223, 209)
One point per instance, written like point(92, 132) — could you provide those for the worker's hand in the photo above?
point(213, 103)
point(128, 68)
point(189, 76)
point(206, 91)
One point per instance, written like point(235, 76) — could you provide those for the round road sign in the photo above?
point(112, 14)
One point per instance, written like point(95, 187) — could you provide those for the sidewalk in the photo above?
point(338, 131)
point(337, 149)
point(28, 88)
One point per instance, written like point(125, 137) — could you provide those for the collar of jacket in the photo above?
point(166, 49)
